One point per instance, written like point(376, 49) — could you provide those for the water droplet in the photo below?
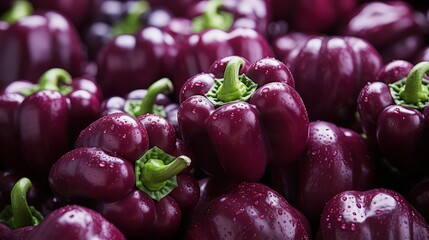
point(353, 227)
point(378, 211)
point(396, 110)
point(344, 199)
point(280, 211)
point(340, 218)
point(262, 216)
point(365, 99)
point(343, 226)
point(102, 164)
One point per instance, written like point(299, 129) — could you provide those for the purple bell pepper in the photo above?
point(75, 222)
point(394, 119)
point(126, 175)
point(32, 44)
point(329, 72)
point(334, 160)
point(251, 210)
point(153, 100)
point(42, 121)
point(220, 117)
point(313, 16)
point(373, 214)
point(391, 27)
point(130, 62)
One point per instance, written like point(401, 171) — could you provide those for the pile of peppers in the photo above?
point(214, 119)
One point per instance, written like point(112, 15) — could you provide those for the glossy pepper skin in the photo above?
point(143, 192)
point(329, 72)
point(31, 45)
point(394, 119)
point(373, 214)
point(302, 16)
point(130, 62)
point(335, 159)
point(418, 196)
point(391, 27)
point(75, 222)
point(42, 120)
point(221, 125)
point(251, 210)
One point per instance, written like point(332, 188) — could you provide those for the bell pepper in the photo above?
point(153, 100)
point(394, 118)
point(335, 159)
point(391, 27)
point(373, 214)
point(235, 113)
point(251, 210)
point(42, 120)
point(18, 219)
point(329, 72)
point(126, 175)
point(130, 62)
point(75, 222)
point(33, 43)
point(312, 16)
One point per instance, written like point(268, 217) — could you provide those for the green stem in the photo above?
point(131, 22)
point(155, 173)
point(414, 92)
point(21, 211)
point(50, 80)
point(19, 10)
point(232, 88)
point(212, 18)
point(147, 104)
point(19, 214)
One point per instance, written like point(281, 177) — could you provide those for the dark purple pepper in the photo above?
point(394, 120)
point(75, 222)
point(221, 125)
point(153, 100)
point(391, 27)
point(44, 119)
point(40, 143)
point(145, 57)
point(334, 160)
point(329, 73)
point(373, 214)
point(251, 210)
point(36, 43)
point(187, 193)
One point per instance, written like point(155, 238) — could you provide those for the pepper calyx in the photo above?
point(412, 91)
point(156, 172)
point(233, 87)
